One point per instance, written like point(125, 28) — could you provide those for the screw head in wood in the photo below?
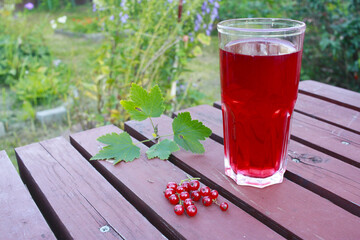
point(104, 229)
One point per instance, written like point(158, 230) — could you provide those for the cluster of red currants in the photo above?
point(184, 195)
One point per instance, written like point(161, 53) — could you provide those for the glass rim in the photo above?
point(223, 25)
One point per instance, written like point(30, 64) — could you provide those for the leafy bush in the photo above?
point(20, 46)
point(26, 64)
point(42, 85)
point(331, 48)
point(332, 43)
point(231, 9)
point(52, 5)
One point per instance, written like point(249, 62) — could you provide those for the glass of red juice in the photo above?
point(260, 62)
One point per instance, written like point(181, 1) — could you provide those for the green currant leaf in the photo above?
point(120, 148)
point(187, 133)
point(143, 104)
point(162, 149)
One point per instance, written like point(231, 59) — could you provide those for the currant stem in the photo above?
point(189, 178)
point(216, 202)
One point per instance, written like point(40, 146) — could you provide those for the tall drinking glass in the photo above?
point(260, 62)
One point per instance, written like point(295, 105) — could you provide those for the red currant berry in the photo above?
point(180, 189)
point(205, 191)
point(194, 185)
point(214, 194)
point(206, 201)
point(169, 192)
point(172, 185)
point(191, 210)
point(179, 209)
point(174, 199)
point(188, 202)
point(186, 186)
point(195, 195)
point(224, 206)
point(184, 195)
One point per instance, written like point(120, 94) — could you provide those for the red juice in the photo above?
point(259, 84)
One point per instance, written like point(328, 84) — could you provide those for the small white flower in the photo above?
point(56, 62)
point(62, 19)
point(53, 24)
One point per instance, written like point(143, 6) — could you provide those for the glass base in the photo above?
point(240, 179)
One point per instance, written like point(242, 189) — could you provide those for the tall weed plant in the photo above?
point(148, 42)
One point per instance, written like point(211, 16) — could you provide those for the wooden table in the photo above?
point(319, 198)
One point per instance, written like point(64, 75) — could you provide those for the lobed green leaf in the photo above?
point(188, 132)
point(162, 149)
point(143, 104)
point(120, 148)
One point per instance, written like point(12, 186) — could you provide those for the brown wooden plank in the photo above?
point(331, 113)
point(301, 211)
point(20, 217)
point(337, 181)
point(76, 200)
point(143, 182)
point(340, 96)
point(327, 138)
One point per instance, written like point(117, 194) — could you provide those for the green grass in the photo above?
point(205, 71)
point(30, 133)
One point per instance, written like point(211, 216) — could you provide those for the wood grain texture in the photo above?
point(340, 96)
point(331, 113)
point(327, 138)
point(304, 213)
point(20, 217)
point(143, 182)
point(327, 176)
point(75, 198)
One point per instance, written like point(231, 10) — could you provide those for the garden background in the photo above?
point(80, 56)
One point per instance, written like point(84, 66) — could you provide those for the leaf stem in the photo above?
point(148, 140)
point(169, 135)
point(152, 124)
